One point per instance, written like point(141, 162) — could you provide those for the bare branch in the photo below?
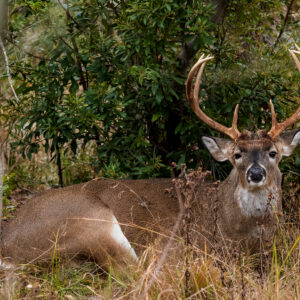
point(8, 70)
point(66, 9)
point(2, 170)
point(83, 80)
point(284, 22)
point(10, 40)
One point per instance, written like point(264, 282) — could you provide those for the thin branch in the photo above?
point(83, 80)
point(69, 16)
point(8, 70)
point(221, 6)
point(26, 52)
point(75, 49)
point(2, 171)
point(284, 22)
point(66, 43)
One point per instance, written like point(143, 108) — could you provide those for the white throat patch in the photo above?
point(255, 203)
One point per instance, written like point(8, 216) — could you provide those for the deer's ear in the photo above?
point(219, 148)
point(288, 141)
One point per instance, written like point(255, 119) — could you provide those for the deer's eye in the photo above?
point(237, 156)
point(272, 154)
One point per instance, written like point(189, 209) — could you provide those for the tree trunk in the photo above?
point(59, 167)
point(188, 52)
point(186, 55)
point(3, 18)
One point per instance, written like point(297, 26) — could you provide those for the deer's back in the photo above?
point(145, 209)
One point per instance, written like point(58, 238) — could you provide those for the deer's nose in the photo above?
point(256, 173)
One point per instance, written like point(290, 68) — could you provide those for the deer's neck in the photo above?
point(257, 202)
point(242, 211)
point(253, 203)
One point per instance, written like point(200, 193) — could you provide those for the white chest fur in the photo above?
point(257, 202)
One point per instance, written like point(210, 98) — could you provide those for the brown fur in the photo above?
point(78, 219)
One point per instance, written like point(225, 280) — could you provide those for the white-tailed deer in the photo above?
point(105, 218)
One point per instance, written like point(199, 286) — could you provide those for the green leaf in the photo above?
point(155, 117)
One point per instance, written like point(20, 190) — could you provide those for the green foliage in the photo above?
point(110, 72)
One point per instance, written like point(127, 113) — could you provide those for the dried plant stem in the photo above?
point(2, 165)
point(187, 222)
point(170, 240)
point(2, 169)
point(243, 293)
point(188, 246)
point(261, 254)
point(8, 70)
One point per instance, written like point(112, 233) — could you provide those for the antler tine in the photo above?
point(293, 53)
point(235, 119)
point(192, 97)
point(277, 128)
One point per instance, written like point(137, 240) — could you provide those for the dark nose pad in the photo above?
point(256, 173)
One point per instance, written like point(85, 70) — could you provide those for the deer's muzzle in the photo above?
point(256, 174)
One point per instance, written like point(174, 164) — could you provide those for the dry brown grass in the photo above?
point(211, 276)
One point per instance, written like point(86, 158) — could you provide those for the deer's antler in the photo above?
point(192, 97)
point(277, 128)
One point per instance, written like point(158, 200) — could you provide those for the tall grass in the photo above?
point(212, 276)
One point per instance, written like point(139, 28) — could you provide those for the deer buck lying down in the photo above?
point(105, 219)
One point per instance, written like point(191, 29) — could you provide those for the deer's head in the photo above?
point(254, 155)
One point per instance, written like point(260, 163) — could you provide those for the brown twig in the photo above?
point(188, 189)
point(284, 22)
point(191, 179)
point(83, 80)
point(261, 255)
point(243, 294)
point(26, 52)
point(69, 16)
point(8, 70)
point(170, 240)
